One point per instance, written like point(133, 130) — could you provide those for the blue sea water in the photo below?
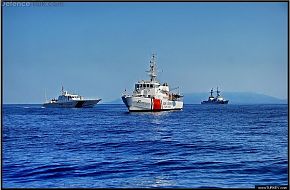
point(237, 146)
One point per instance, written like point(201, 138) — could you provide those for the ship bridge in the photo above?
point(67, 96)
point(146, 85)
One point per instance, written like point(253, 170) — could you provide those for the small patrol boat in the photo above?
point(215, 100)
point(151, 95)
point(67, 100)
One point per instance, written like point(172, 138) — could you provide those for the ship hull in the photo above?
point(142, 104)
point(215, 102)
point(73, 104)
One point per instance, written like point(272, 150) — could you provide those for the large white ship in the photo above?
point(67, 100)
point(151, 95)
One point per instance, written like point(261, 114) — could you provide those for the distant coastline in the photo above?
point(238, 98)
point(235, 98)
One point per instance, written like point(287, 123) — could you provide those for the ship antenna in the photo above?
point(153, 68)
point(45, 95)
point(217, 91)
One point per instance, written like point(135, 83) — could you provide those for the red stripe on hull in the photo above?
point(156, 104)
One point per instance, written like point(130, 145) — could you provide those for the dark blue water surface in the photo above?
point(105, 146)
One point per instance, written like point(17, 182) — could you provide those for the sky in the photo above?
point(99, 49)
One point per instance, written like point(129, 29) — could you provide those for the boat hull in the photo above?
point(142, 104)
point(215, 102)
point(73, 104)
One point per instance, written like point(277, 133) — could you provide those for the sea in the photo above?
point(201, 146)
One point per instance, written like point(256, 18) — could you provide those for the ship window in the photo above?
point(148, 85)
point(143, 85)
point(151, 85)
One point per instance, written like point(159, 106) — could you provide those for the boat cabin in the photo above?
point(144, 85)
point(67, 97)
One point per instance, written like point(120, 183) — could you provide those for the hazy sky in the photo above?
point(99, 49)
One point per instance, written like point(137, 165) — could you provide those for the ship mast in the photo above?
point(45, 95)
point(153, 68)
point(217, 91)
point(211, 91)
